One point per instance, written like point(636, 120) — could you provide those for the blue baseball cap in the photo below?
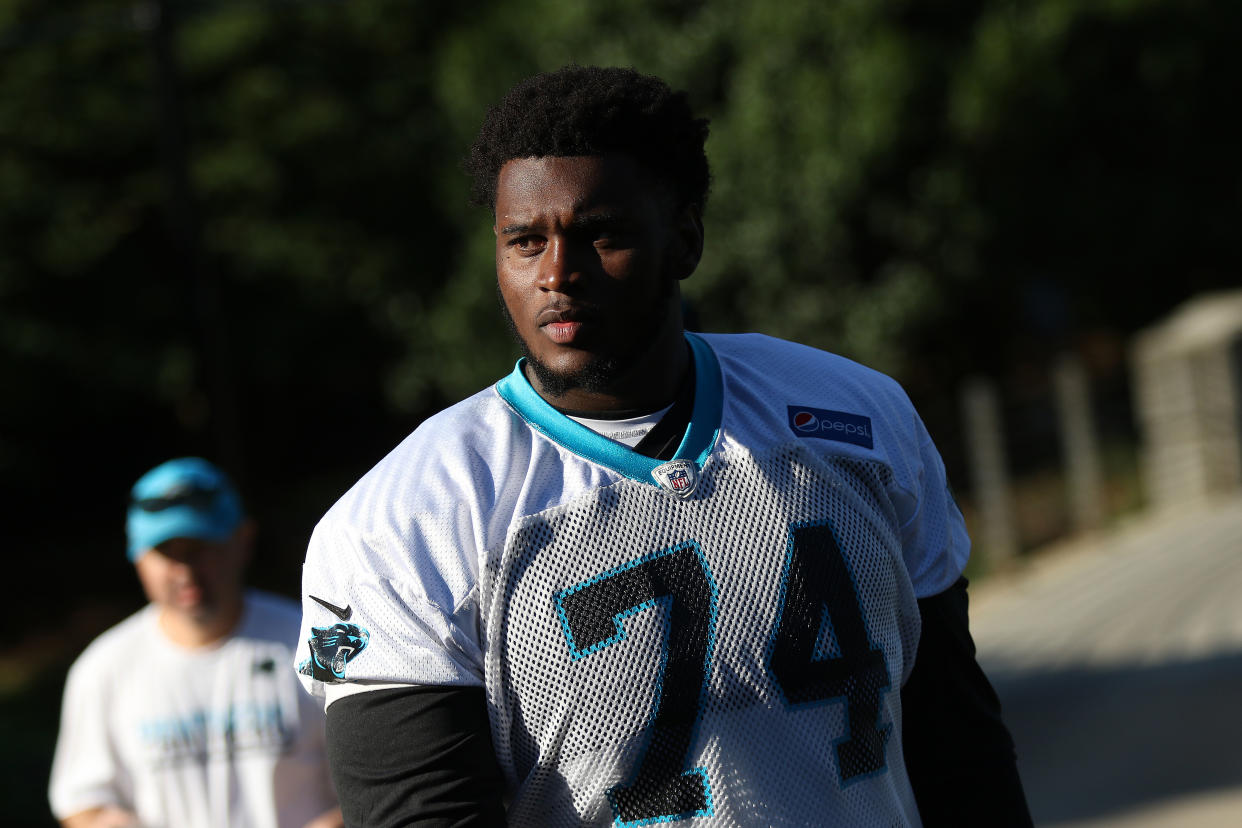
point(183, 498)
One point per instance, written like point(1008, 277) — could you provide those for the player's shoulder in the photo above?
point(442, 465)
point(777, 391)
point(760, 360)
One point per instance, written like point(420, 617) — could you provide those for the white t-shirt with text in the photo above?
point(193, 738)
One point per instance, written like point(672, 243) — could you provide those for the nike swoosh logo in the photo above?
point(342, 614)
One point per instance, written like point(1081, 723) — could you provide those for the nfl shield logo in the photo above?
point(677, 477)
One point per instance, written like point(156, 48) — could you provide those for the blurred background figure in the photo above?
point(188, 714)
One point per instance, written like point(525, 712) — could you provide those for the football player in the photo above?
point(649, 576)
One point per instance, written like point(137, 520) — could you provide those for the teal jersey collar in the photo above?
point(696, 445)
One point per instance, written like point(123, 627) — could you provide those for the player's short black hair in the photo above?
point(592, 110)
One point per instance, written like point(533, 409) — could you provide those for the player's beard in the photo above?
point(601, 373)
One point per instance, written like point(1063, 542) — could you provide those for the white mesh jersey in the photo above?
point(193, 738)
point(717, 641)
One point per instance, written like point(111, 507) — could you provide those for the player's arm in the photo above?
point(415, 756)
point(959, 754)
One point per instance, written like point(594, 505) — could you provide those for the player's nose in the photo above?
point(562, 266)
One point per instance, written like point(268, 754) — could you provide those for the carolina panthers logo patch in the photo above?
point(331, 649)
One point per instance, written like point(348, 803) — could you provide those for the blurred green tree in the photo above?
point(930, 188)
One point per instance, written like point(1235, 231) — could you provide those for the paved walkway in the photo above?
point(1119, 663)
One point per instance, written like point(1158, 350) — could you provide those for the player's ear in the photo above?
point(687, 246)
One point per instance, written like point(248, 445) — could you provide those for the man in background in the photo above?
point(186, 714)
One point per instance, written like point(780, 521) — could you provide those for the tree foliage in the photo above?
point(930, 188)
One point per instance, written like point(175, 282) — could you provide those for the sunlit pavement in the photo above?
point(1119, 664)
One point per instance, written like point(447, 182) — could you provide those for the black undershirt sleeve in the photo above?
point(415, 756)
point(959, 754)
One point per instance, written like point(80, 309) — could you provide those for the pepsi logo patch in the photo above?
point(842, 426)
point(677, 477)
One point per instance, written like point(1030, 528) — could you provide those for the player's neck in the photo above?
point(201, 629)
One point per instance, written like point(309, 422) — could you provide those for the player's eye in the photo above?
point(612, 235)
point(528, 244)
